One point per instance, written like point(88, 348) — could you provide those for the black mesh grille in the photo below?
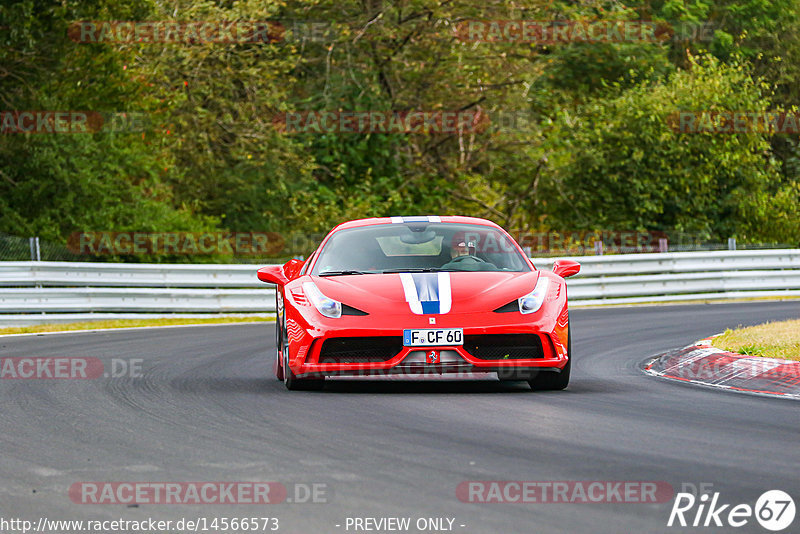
point(360, 349)
point(504, 346)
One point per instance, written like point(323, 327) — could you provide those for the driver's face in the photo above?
point(460, 249)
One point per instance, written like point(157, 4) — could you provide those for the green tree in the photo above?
point(624, 167)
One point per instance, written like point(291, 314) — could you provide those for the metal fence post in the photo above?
point(36, 254)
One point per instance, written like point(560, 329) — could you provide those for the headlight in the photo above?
point(533, 301)
point(326, 306)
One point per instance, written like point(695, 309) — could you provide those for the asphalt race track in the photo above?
point(207, 409)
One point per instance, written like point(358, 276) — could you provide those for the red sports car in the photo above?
point(410, 295)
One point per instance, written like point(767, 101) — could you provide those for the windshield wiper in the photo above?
point(339, 273)
point(415, 270)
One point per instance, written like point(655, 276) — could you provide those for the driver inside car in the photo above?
point(464, 259)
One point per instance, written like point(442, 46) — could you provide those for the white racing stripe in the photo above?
point(427, 293)
point(410, 290)
point(445, 293)
point(421, 218)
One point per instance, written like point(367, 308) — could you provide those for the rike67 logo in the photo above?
point(774, 510)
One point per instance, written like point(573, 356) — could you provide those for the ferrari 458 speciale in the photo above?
point(421, 295)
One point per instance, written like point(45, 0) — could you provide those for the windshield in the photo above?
point(419, 246)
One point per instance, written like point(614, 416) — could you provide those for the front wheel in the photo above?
point(290, 380)
point(293, 383)
point(551, 381)
point(280, 335)
point(278, 365)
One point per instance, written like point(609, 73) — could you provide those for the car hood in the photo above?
point(468, 291)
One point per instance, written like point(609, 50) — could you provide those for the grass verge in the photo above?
point(126, 323)
point(780, 339)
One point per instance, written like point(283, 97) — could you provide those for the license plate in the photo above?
point(433, 337)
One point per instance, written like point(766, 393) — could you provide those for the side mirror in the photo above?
point(280, 274)
point(565, 268)
point(292, 268)
point(272, 274)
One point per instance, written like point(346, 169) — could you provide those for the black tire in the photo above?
point(278, 366)
point(280, 335)
point(552, 381)
point(290, 380)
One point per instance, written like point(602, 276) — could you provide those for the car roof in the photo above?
point(415, 218)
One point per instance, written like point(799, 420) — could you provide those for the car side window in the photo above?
point(308, 262)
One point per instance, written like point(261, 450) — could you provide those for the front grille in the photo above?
point(360, 349)
point(504, 346)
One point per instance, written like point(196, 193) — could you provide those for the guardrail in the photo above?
point(679, 276)
point(34, 292)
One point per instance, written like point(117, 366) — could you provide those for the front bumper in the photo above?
point(512, 355)
point(319, 346)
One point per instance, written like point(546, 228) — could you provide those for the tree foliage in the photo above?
point(590, 146)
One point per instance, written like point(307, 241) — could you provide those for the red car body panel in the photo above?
point(475, 297)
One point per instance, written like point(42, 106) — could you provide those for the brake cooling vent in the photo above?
point(512, 306)
point(349, 310)
point(504, 346)
point(360, 349)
